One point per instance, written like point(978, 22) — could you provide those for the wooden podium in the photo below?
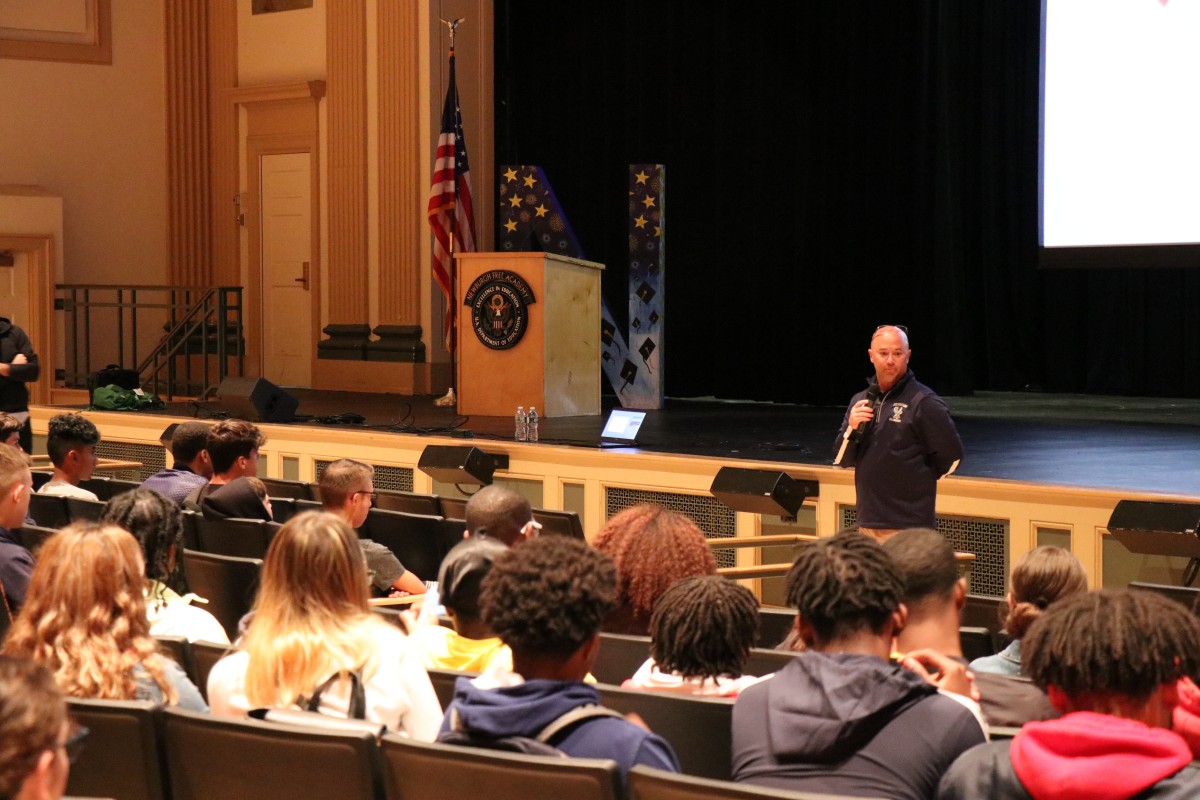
point(554, 364)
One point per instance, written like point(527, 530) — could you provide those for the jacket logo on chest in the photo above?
point(897, 411)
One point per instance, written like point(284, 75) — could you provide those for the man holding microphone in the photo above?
point(899, 437)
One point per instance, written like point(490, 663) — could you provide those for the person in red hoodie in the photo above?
point(1109, 661)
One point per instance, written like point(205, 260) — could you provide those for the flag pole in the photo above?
point(449, 399)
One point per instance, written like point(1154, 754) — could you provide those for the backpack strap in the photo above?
point(358, 697)
point(577, 714)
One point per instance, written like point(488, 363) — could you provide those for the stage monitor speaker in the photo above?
point(1157, 528)
point(761, 491)
point(465, 465)
point(256, 400)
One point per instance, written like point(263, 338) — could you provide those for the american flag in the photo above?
point(450, 200)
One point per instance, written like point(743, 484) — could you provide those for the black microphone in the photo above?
point(872, 396)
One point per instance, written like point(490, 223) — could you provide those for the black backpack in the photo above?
point(533, 745)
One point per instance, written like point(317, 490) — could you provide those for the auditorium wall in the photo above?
point(95, 135)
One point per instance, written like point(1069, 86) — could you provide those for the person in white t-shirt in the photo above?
point(157, 523)
point(71, 444)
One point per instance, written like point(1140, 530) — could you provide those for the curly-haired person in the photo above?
point(85, 620)
point(840, 718)
point(36, 740)
point(545, 600)
point(652, 547)
point(157, 524)
point(71, 444)
point(1109, 660)
point(701, 633)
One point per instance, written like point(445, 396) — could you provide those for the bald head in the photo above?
point(891, 331)
point(889, 355)
point(499, 513)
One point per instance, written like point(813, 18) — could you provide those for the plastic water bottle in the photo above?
point(522, 425)
point(532, 424)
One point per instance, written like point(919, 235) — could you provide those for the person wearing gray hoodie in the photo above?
point(841, 718)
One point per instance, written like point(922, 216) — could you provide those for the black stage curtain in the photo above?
point(831, 165)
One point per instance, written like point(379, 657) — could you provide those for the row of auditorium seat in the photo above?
point(139, 751)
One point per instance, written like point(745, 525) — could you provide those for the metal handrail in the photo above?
point(196, 314)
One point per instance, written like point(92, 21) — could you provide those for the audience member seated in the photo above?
point(348, 490)
point(1041, 577)
point(233, 446)
point(546, 600)
point(313, 642)
point(472, 645)
point(157, 524)
point(241, 498)
point(652, 547)
point(841, 719)
point(71, 443)
point(935, 596)
point(10, 430)
point(1109, 661)
point(502, 514)
point(192, 467)
point(85, 620)
point(37, 743)
point(701, 633)
point(16, 563)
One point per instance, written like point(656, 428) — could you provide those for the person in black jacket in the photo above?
point(18, 366)
point(899, 437)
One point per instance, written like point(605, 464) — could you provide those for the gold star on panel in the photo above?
point(530, 181)
point(642, 177)
point(541, 210)
point(515, 200)
point(511, 226)
point(648, 201)
point(640, 222)
point(510, 174)
point(657, 232)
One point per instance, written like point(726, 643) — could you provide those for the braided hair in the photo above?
point(704, 627)
point(1126, 643)
point(844, 584)
point(157, 524)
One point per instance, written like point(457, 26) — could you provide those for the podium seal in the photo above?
point(499, 301)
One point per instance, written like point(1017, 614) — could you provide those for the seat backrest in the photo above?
point(619, 657)
point(41, 477)
point(123, 756)
point(212, 757)
point(32, 537)
point(698, 728)
point(763, 661)
point(49, 511)
point(453, 506)
point(179, 650)
point(431, 771)
point(443, 681)
point(79, 508)
point(282, 509)
point(205, 656)
point(278, 487)
point(774, 624)
point(244, 538)
point(408, 502)
point(228, 583)
point(99, 486)
point(648, 783)
point(561, 523)
point(976, 642)
point(412, 538)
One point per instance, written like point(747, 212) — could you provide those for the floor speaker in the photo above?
point(760, 491)
point(466, 465)
point(256, 400)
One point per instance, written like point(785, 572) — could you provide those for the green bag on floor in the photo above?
point(114, 398)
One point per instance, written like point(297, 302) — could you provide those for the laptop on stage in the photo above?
point(622, 428)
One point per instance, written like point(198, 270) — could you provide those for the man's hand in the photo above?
point(944, 673)
point(862, 412)
point(20, 359)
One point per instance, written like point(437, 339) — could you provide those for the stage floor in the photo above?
point(1143, 444)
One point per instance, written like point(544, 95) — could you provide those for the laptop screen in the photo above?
point(622, 426)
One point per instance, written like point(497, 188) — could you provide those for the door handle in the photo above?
point(304, 279)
